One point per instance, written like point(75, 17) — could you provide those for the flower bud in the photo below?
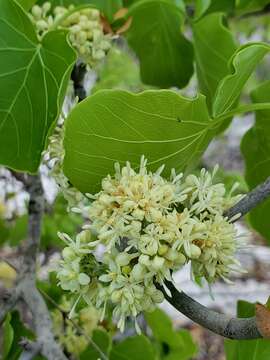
point(123, 259)
point(68, 253)
point(37, 11)
point(195, 251)
point(83, 279)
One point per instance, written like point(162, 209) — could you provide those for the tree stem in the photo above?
point(221, 324)
point(229, 327)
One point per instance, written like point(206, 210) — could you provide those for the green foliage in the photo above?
point(172, 345)
point(34, 77)
point(26, 4)
point(13, 331)
point(120, 71)
point(102, 339)
point(133, 348)
point(246, 6)
point(256, 150)
point(242, 64)
point(165, 55)
point(214, 45)
point(57, 219)
point(247, 349)
point(116, 125)
point(203, 7)
point(8, 336)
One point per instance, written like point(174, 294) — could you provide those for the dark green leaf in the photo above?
point(178, 345)
point(214, 45)
point(165, 55)
point(102, 339)
point(256, 150)
point(133, 348)
point(115, 125)
point(242, 64)
point(203, 7)
point(33, 80)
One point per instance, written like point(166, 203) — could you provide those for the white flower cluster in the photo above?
point(150, 227)
point(85, 27)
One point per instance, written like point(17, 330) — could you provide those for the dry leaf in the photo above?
point(120, 13)
point(263, 320)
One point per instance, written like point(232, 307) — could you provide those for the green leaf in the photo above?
point(14, 331)
point(33, 80)
point(26, 4)
point(213, 45)
point(102, 339)
point(246, 6)
point(133, 348)
point(165, 55)
point(8, 335)
point(247, 349)
point(242, 64)
point(179, 345)
point(58, 219)
point(255, 147)
point(115, 125)
point(119, 71)
point(160, 324)
point(203, 7)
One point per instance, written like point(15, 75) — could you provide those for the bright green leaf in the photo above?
point(201, 7)
point(213, 45)
point(26, 4)
point(179, 344)
point(33, 79)
point(133, 348)
point(246, 6)
point(102, 339)
point(242, 64)
point(8, 335)
point(115, 125)
point(165, 55)
point(256, 150)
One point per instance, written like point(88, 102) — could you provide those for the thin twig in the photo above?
point(79, 329)
point(251, 200)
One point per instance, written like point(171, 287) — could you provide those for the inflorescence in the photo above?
point(86, 32)
point(149, 227)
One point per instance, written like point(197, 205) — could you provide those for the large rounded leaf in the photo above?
point(115, 125)
point(33, 78)
point(256, 150)
point(214, 45)
point(165, 55)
